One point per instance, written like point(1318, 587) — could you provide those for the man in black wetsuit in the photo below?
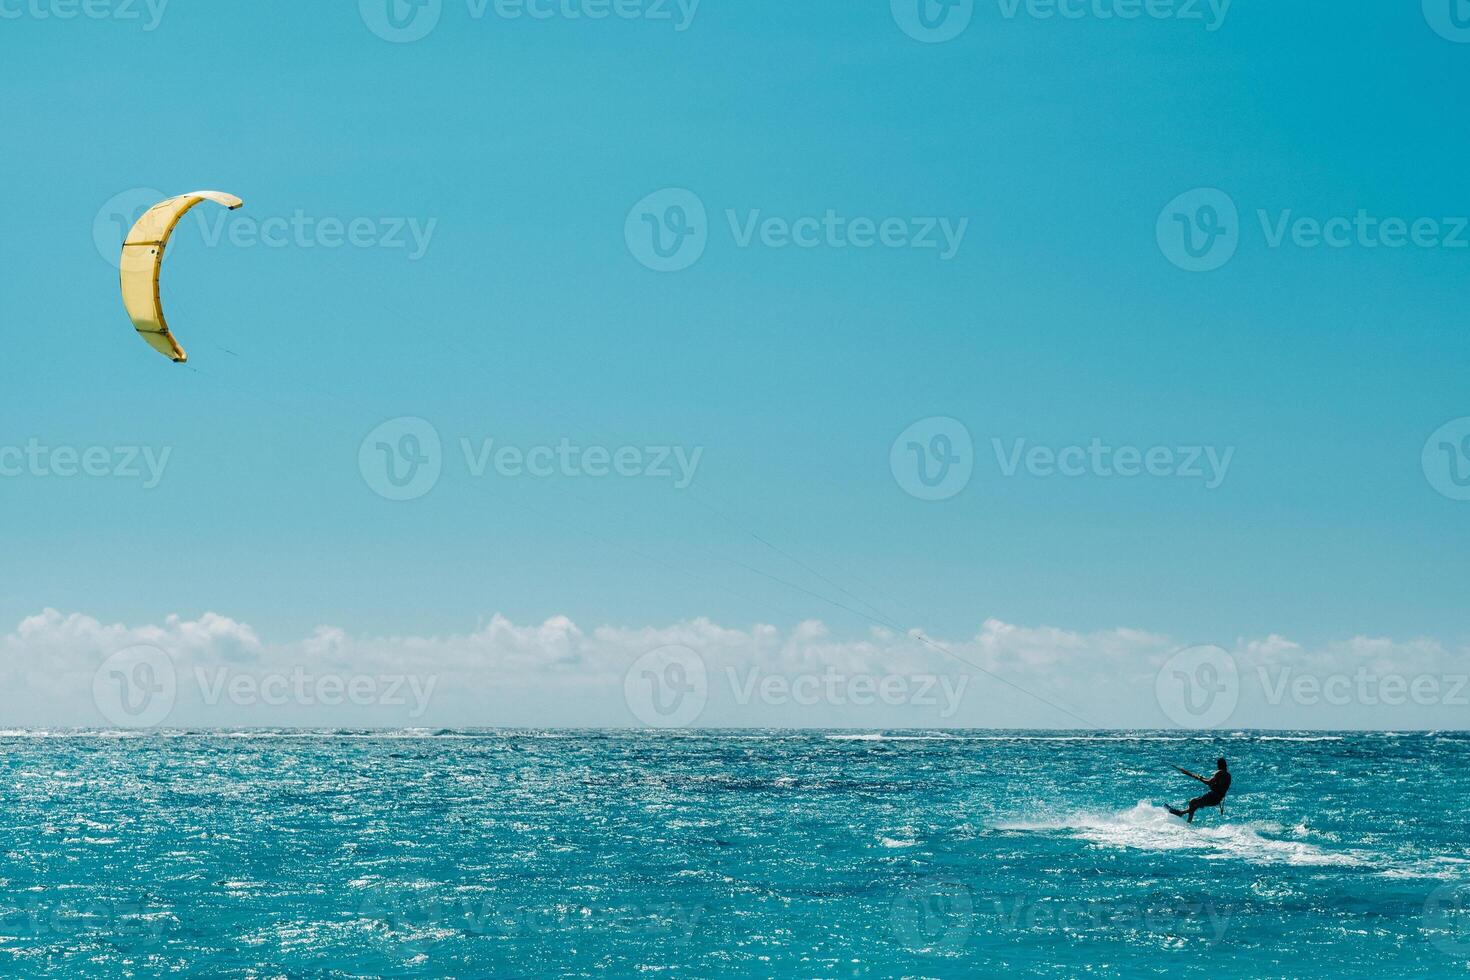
point(1219, 785)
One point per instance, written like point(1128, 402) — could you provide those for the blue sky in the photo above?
point(518, 146)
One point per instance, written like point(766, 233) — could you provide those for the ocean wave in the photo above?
point(1001, 737)
point(696, 734)
point(874, 737)
point(1299, 738)
point(1147, 827)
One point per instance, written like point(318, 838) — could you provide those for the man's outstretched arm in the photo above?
point(1193, 775)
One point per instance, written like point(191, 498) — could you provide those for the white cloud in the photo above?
point(558, 674)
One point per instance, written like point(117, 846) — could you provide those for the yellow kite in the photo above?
point(142, 260)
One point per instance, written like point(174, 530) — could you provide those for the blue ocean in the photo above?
point(740, 853)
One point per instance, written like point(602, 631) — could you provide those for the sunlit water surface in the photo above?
point(731, 853)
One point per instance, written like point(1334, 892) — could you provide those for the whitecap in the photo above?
point(1148, 827)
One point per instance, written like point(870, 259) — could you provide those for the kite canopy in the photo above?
point(142, 260)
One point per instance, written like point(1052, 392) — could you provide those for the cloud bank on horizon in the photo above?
point(72, 670)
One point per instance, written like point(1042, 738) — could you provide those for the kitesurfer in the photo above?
point(1219, 785)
